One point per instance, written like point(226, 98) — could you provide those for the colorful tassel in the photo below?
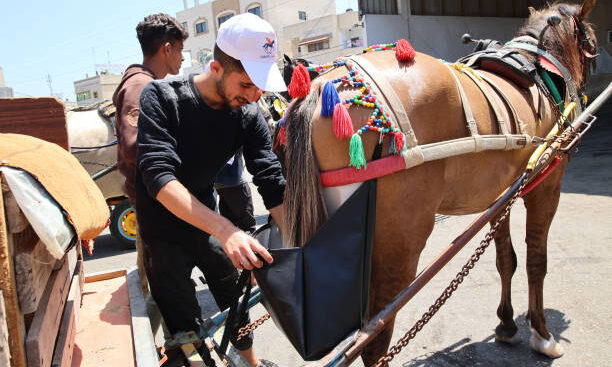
point(329, 99)
point(356, 152)
point(343, 125)
point(400, 140)
point(300, 82)
point(404, 52)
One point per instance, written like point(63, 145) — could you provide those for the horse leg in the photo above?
point(506, 266)
point(541, 205)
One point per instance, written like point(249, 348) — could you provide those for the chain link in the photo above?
point(249, 328)
point(454, 284)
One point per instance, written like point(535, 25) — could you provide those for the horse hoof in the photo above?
point(514, 339)
point(548, 347)
point(506, 334)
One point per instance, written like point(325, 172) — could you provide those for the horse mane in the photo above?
point(305, 209)
point(559, 40)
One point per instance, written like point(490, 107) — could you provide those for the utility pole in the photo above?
point(50, 86)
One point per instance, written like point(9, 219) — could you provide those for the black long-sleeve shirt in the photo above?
point(181, 137)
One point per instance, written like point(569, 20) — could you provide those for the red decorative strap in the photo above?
point(378, 168)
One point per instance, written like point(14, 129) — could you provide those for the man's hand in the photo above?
point(242, 249)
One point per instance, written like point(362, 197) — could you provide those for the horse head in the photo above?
point(561, 29)
point(289, 66)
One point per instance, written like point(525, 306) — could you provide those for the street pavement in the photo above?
point(577, 293)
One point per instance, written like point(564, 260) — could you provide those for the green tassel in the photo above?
point(356, 152)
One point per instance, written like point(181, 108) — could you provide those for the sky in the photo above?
point(64, 39)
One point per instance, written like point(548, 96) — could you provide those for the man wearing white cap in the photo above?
point(187, 131)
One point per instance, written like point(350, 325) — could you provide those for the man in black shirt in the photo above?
point(187, 130)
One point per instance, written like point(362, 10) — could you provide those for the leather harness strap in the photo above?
point(503, 129)
point(467, 110)
point(566, 75)
point(385, 90)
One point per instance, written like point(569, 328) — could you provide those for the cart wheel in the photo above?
point(123, 224)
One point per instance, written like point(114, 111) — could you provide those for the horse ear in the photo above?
point(586, 8)
point(531, 10)
point(287, 59)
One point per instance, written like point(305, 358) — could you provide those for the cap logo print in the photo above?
point(269, 46)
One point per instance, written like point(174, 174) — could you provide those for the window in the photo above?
point(302, 15)
point(317, 46)
point(82, 96)
point(95, 94)
point(201, 27)
point(255, 10)
point(204, 56)
point(185, 25)
point(223, 18)
point(609, 37)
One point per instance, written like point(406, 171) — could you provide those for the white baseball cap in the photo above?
point(252, 40)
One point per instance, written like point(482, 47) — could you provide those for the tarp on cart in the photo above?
point(63, 177)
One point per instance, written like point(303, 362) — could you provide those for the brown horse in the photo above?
point(408, 200)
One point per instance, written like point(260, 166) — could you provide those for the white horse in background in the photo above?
point(91, 133)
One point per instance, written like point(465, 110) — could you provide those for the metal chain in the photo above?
point(249, 328)
point(454, 284)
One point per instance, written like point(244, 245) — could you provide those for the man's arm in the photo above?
point(238, 246)
point(158, 160)
point(263, 164)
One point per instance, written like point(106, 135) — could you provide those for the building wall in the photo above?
point(600, 17)
point(6, 92)
point(339, 27)
point(279, 13)
point(100, 88)
point(438, 36)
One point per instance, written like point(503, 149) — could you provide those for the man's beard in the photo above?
point(220, 85)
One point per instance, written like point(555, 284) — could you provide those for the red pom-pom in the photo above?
point(343, 125)
point(300, 82)
point(404, 51)
point(399, 141)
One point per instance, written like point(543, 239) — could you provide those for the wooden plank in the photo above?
point(45, 325)
point(62, 356)
point(43, 118)
point(96, 277)
point(144, 345)
point(33, 266)
point(14, 321)
point(16, 220)
point(5, 353)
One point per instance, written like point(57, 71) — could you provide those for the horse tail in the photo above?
point(305, 209)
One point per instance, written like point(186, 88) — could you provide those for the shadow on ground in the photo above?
point(488, 352)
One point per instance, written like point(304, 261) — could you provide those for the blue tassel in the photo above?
point(329, 98)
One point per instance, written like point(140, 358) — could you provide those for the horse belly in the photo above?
point(474, 181)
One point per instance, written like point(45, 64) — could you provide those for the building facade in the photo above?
point(326, 38)
point(5, 92)
point(435, 27)
point(202, 20)
point(96, 88)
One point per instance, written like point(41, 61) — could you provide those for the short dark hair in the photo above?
point(229, 63)
point(156, 29)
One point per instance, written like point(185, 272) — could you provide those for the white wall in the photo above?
point(437, 35)
point(203, 41)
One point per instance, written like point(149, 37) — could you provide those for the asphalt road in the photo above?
point(576, 294)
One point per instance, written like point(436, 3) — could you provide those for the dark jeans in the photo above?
point(236, 204)
point(169, 266)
